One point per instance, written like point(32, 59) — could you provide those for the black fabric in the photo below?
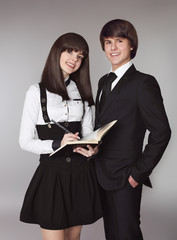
point(137, 105)
point(64, 191)
point(107, 88)
point(121, 209)
point(43, 98)
point(55, 133)
point(67, 82)
point(56, 144)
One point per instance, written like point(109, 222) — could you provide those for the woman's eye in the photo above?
point(81, 57)
point(69, 51)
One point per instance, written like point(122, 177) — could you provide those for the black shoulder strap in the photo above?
point(43, 98)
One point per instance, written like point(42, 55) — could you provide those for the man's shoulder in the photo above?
point(141, 76)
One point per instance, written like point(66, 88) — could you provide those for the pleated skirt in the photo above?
point(63, 193)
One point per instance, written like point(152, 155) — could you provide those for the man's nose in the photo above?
point(114, 46)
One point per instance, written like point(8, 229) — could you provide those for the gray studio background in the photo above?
point(27, 31)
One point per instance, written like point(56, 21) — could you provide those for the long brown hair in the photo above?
point(52, 76)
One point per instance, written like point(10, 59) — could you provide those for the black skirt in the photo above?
point(63, 192)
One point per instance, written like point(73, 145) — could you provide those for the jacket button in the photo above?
point(68, 159)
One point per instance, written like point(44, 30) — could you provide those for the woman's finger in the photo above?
point(69, 137)
point(81, 151)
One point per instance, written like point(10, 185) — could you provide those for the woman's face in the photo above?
point(70, 62)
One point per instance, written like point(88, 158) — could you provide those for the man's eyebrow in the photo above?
point(107, 39)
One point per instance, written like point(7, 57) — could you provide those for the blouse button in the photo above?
point(43, 100)
point(43, 109)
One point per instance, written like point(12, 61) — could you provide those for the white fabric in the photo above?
point(120, 72)
point(58, 110)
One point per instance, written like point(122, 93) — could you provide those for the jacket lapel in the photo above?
point(100, 87)
point(111, 97)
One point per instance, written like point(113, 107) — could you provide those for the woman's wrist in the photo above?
point(56, 144)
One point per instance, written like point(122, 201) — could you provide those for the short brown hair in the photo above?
point(120, 28)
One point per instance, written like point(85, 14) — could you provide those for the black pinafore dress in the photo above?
point(64, 191)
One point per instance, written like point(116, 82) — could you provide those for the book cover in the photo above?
point(93, 139)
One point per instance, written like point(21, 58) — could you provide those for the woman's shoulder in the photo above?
point(34, 87)
point(73, 91)
point(33, 91)
point(72, 83)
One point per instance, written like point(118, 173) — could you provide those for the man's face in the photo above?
point(117, 50)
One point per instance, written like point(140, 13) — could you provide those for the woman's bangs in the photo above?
point(76, 44)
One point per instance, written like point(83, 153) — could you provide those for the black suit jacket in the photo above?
point(137, 104)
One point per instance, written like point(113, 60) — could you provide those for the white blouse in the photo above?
point(58, 110)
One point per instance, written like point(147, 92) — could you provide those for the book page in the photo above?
point(103, 130)
point(91, 136)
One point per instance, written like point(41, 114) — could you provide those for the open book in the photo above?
point(92, 139)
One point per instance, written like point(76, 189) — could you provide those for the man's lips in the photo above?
point(115, 54)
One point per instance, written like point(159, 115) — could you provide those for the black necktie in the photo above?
point(107, 88)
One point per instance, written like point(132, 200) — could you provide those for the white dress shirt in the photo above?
point(58, 110)
point(120, 72)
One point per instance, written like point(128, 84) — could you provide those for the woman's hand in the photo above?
point(87, 153)
point(69, 137)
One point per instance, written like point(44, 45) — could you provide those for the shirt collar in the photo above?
point(121, 70)
point(67, 81)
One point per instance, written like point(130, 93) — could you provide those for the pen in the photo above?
point(59, 125)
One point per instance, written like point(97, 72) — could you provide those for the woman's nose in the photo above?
point(74, 58)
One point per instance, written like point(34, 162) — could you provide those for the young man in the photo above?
point(135, 100)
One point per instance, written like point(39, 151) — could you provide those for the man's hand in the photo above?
point(132, 182)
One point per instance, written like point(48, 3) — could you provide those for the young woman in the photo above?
point(63, 194)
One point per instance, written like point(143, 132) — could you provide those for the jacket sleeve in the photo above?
point(153, 114)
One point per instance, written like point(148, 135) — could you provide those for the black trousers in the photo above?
point(121, 213)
